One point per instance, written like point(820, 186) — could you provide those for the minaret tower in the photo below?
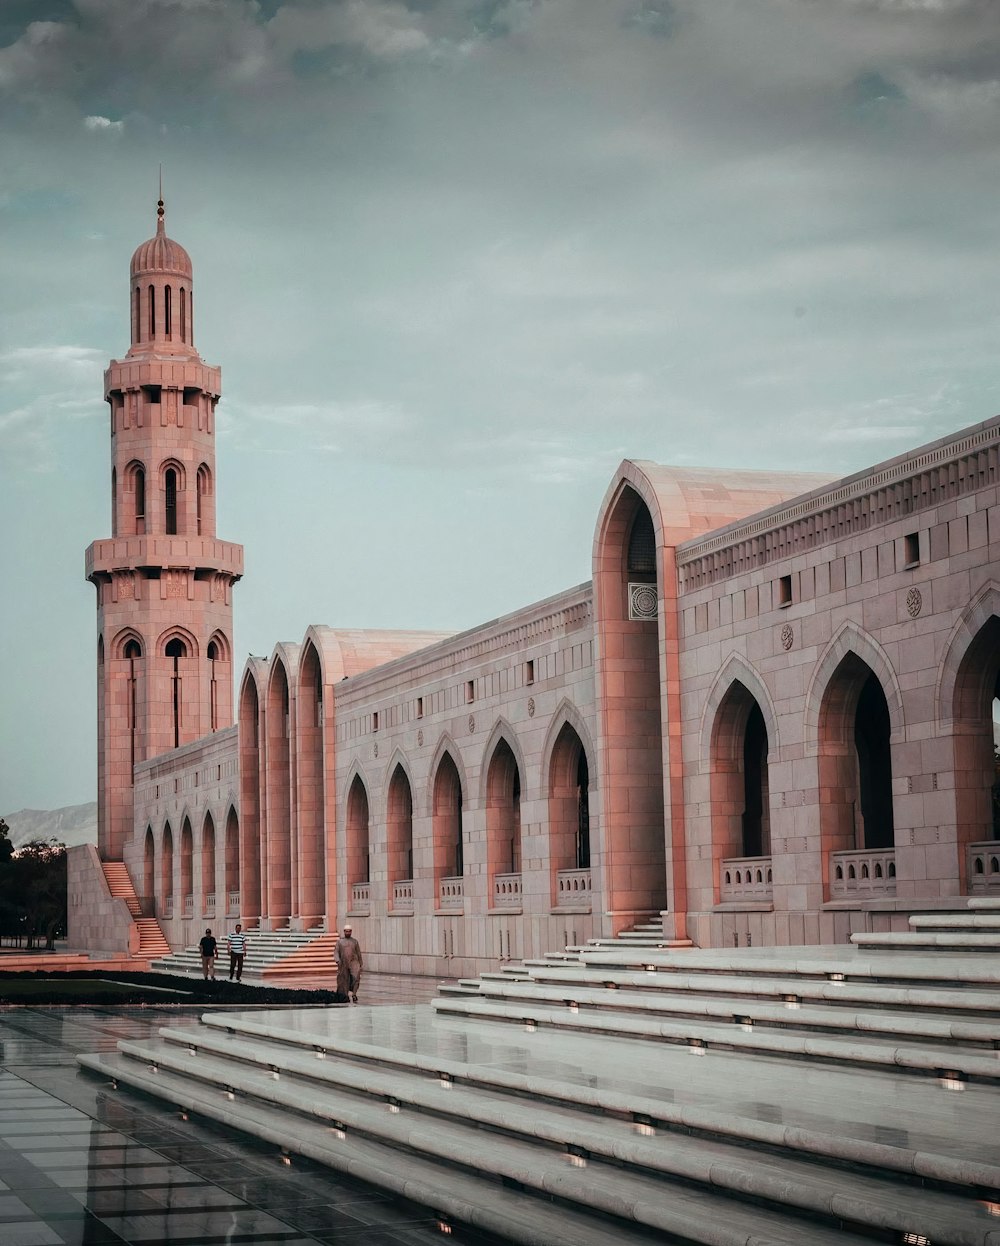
point(164, 582)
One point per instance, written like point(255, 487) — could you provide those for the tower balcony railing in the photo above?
point(507, 891)
point(361, 898)
point(866, 873)
point(120, 552)
point(573, 889)
point(745, 878)
point(233, 907)
point(451, 893)
point(402, 895)
point(983, 864)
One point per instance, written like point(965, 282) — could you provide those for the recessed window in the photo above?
point(470, 691)
point(784, 590)
point(529, 671)
point(375, 721)
point(420, 707)
point(911, 549)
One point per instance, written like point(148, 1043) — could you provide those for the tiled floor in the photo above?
point(81, 1163)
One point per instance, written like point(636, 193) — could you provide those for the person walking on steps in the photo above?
point(347, 958)
point(209, 950)
point(237, 944)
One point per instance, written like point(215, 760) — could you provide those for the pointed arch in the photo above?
point(851, 640)
point(208, 862)
point(311, 782)
point(567, 713)
point(187, 867)
point(357, 823)
point(251, 819)
point(502, 787)
point(502, 730)
point(963, 678)
point(167, 867)
point(399, 824)
point(148, 864)
point(446, 744)
point(737, 669)
point(230, 905)
point(278, 782)
point(121, 641)
point(448, 807)
point(176, 632)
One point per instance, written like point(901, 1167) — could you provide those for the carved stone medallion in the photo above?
point(914, 602)
point(531, 707)
point(787, 636)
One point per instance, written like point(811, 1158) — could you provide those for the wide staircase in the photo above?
point(152, 942)
point(627, 1094)
point(272, 956)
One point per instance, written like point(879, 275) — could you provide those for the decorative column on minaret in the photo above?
point(164, 583)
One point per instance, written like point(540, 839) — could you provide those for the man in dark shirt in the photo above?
point(209, 950)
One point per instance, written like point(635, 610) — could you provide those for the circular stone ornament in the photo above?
point(914, 602)
point(787, 636)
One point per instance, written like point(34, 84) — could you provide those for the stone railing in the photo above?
point(234, 904)
point(402, 895)
point(210, 904)
point(573, 888)
point(507, 891)
point(189, 905)
point(983, 861)
point(451, 893)
point(745, 878)
point(863, 873)
point(361, 897)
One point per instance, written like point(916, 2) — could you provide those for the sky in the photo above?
point(457, 259)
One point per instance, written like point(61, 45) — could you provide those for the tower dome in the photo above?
point(160, 254)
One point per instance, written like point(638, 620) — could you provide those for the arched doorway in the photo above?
point(358, 845)
point(149, 866)
point(503, 823)
point(231, 901)
point(187, 869)
point(449, 847)
point(208, 866)
point(167, 871)
point(278, 834)
point(249, 871)
point(399, 837)
point(976, 733)
point(311, 789)
point(740, 798)
point(569, 819)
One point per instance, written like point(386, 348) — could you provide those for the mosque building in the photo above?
point(767, 719)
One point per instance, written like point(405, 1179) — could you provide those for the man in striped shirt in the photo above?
point(237, 944)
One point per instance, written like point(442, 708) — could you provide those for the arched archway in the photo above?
point(149, 865)
point(250, 882)
point(278, 834)
point(447, 830)
point(855, 766)
point(399, 839)
point(503, 815)
point(569, 817)
point(167, 871)
point(630, 575)
point(975, 713)
point(187, 868)
point(740, 793)
point(231, 903)
point(208, 865)
point(311, 787)
point(358, 842)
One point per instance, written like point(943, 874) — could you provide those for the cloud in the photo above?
point(99, 124)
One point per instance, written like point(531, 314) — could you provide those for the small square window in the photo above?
point(470, 691)
point(785, 591)
point(529, 671)
point(420, 707)
point(375, 721)
point(911, 549)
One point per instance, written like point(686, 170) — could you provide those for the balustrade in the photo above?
point(451, 893)
point(210, 904)
point(234, 904)
point(189, 905)
point(745, 878)
point(863, 873)
point(507, 891)
point(402, 895)
point(573, 888)
point(168, 906)
point(983, 861)
point(361, 897)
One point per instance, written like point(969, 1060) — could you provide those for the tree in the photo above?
point(33, 891)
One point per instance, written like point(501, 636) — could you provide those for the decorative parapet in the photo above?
point(862, 873)
point(904, 486)
point(507, 891)
point(573, 889)
point(402, 895)
point(983, 861)
point(745, 878)
point(361, 898)
point(234, 904)
point(452, 893)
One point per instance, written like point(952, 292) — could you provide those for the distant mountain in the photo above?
point(73, 825)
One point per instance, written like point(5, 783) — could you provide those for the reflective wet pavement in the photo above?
point(82, 1163)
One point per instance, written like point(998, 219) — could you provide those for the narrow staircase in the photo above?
point(152, 942)
point(271, 955)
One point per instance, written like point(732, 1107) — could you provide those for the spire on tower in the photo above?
point(160, 210)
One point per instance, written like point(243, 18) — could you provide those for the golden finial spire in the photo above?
point(159, 206)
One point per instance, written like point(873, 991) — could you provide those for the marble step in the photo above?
point(792, 1015)
point(544, 1150)
point(989, 920)
point(929, 941)
point(455, 1197)
point(971, 1000)
point(927, 1059)
point(984, 902)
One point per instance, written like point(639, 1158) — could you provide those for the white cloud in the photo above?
point(98, 124)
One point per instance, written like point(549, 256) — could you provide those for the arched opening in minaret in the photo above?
point(175, 650)
point(449, 847)
point(170, 500)
point(358, 838)
point(203, 492)
point(231, 899)
point(132, 653)
point(208, 863)
point(167, 871)
point(569, 813)
point(151, 294)
point(136, 315)
point(187, 869)
point(139, 487)
point(503, 815)
point(311, 776)
point(399, 835)
point(168, 312)
point(183, 310)
point(114, 497)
